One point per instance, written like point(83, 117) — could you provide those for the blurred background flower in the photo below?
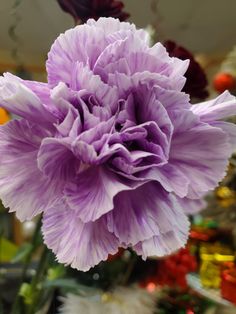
point(196, 80)
point(82, 10)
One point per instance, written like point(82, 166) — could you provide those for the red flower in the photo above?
point(196, 82)
point(82, 10)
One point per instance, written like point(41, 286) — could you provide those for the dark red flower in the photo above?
point(82, 10)
point(196, 82)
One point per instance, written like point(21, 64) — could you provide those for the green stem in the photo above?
point(129, 270)
point(34, 246)
point(18, 307)
point(41, 269)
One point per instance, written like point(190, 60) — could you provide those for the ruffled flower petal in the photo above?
point(177, 68)
point(201, 153)
point(146, 212)
point(160, 85)
point(41, 90)
point(23, 187)
point(196, 80)
point(84, 44)
point(116, 51)
point(111, 26)
point(216, 109)
point(192, 207)
point(163, 244)
point(91, 196)
point(84, 79)
point(20, 100)
point(80, 245)
point(170, 177)
point(230, 130)
point(56, 160)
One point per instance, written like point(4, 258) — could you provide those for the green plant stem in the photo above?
point(34, 246)
point(40, 272)
point(130, 268)
point(17, 307)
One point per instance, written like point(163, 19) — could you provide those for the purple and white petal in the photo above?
point(40, 89)
point(112, 26)
point(192, 207)
point(216, 109)
point(91, 195)
point(145, 212)
point(201, 153)
point(116, 51)
point(20, 100)
point(23, 187)
point(159, 84)
point(84, 44)
point(82, 78)
point(163, 244)
point(56, 159)
point(80, 245)
point(170, 177)
point(177, 68)
point(229, 129)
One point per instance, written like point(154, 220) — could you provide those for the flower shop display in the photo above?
point(106, 164)
point(228, 284)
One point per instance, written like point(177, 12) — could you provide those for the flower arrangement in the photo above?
point(110, 151)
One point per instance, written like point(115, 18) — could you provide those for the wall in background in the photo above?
point(206, 26)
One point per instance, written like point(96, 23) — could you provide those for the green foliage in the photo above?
point(22, 253)
point(64, 284)
point(2, 208)
point(27, 293)
point(56, 272)
point(7, 250)
point(178, 301)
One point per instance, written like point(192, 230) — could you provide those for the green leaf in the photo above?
point(22, 253)
point(56, 272)
point(27, 293)
point(67, 285)
point(2, 208)
point(61, 283)
point(7, 250)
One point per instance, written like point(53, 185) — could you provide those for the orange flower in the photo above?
point(4, 116)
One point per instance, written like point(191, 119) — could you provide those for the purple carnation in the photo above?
point(110, 150)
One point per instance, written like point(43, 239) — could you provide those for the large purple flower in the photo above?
point(110, 150)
